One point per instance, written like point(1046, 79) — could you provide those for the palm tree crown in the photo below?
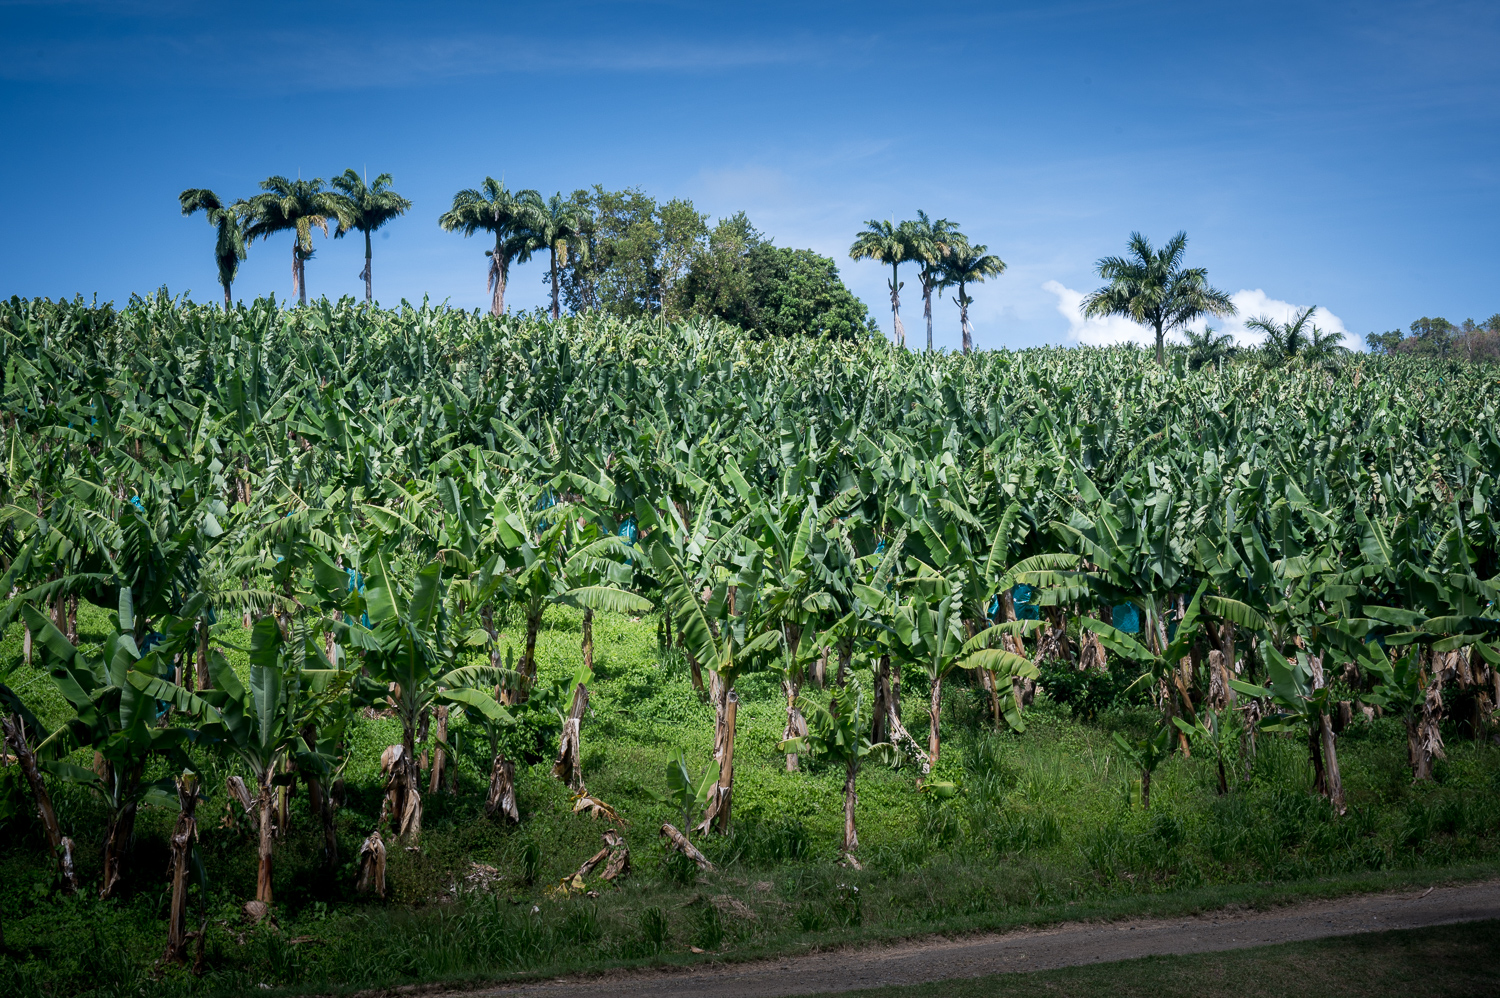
point(931, 242)
point(558, 225)
point(493, 208)
point(229, 225)
point(367, 207)
point(1208, 347)
point(965, 265)
point(1152, 287)
point(297, 205)
point(1298, 339)
point(886, 242)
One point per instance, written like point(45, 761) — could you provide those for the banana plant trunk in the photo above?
point(569, 764)
point(502, 795)
point(878, 721)
point(266, 801)
point(934, 709)
point(796, 724)
point(181, 844)
point(528, 660)
point(440, 754)
point(1424, 736)
point(1334, 782)
point(899, 736)
point(62, 847)
point(717, 814)
point(851, 799)
point(120, 831)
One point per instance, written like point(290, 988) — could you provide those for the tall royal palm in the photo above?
point(886, 242)
point(228, 222)
point(1151, 287)
point(367, 207)
point(931, 243)
point(492, 208)
point(965, 265)
point(558, 225)
point(296, 205)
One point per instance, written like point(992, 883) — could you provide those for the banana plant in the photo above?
point(836, 733)
point(22, 732)
point(1147, 754)
point(694, 575)
point(116, 714)
point(413, 647)
point(265, 725)
point(1209, 728)
point(686, 795)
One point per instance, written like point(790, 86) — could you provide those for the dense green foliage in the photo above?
point(1439, 338)
point(450, 501)
point(770, 290)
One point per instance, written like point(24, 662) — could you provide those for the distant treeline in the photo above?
point(1478, 342)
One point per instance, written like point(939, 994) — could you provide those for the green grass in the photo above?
point(1043, 830)
point(1449, 960)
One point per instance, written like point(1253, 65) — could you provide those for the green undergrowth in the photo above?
point(1045, 825)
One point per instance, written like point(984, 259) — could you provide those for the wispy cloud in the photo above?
point(301, 63)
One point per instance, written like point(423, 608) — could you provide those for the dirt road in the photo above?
point(1039, 949)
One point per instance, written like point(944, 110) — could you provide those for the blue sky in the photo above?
point(1333, 154)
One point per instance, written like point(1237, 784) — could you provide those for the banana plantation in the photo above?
point(349, 646)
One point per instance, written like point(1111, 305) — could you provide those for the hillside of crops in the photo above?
point(420, 644)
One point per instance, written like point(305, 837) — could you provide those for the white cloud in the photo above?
point(1095, 332)
point(1248, 305)
point(1257, 304)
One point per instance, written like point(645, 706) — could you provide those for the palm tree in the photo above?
point(886, 242)
point(966, 265)
point(229, 224)
point(1153, 288)
point(298, 205)
point(1208, 347)
point(367, 208)
point(492, 208)
point(931, 244)
point(1323, 348)
point(558, 225)
point(1284, 340)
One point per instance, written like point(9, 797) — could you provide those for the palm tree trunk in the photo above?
point(963, 318)
point(554, 284)
point(1161, 350)
point(927, 311)
point(228, 299)
point(897, 330)
point(369, 283)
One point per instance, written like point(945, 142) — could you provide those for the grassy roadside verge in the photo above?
point(1447, 960)
point(463, 947)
